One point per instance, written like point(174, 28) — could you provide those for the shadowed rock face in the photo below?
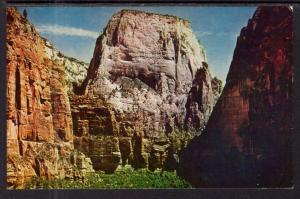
point(140, 90)
point(39, 122)
point(247, 141)
point(201, 99)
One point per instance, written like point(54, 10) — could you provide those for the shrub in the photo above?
point(124, 178)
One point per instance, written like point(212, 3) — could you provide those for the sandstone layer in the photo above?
point(247, 141)
point(148, 90)
point(39, 122)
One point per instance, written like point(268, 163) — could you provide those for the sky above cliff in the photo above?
point(73, 30)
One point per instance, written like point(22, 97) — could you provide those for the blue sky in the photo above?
point(73, 30)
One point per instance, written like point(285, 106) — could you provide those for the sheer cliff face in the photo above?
point(143, 45)
point(247, 141)
point(146, 60)
point(39, 122)
point(139, 82)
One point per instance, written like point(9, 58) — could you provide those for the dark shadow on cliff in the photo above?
point(248, 139)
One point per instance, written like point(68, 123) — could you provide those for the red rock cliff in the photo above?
point(39, 122)
point(247, 141)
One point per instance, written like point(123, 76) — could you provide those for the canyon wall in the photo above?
point(147, 92)
point(248, 139)
point(39, 121)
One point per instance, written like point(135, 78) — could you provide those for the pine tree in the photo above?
point(25, 13)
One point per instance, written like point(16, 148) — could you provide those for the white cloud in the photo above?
point(66, 31)
point(203, 34)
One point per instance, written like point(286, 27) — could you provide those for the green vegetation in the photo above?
point(125, 178)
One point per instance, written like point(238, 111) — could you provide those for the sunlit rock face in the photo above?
point(145, 94)
point(75, 70)
point(147, 85)
point(247, 141)
point(39, 122)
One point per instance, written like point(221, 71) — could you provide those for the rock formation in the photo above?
point(147, 88)
point(201, 99)
point(75, 70)
point(247, 140)
point(145, 94)
point(39, 122)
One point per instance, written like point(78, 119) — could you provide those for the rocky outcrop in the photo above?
point(202, 97)
point(75, 70)
point(39, 122)
point(139, 101)
point(247, 141)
